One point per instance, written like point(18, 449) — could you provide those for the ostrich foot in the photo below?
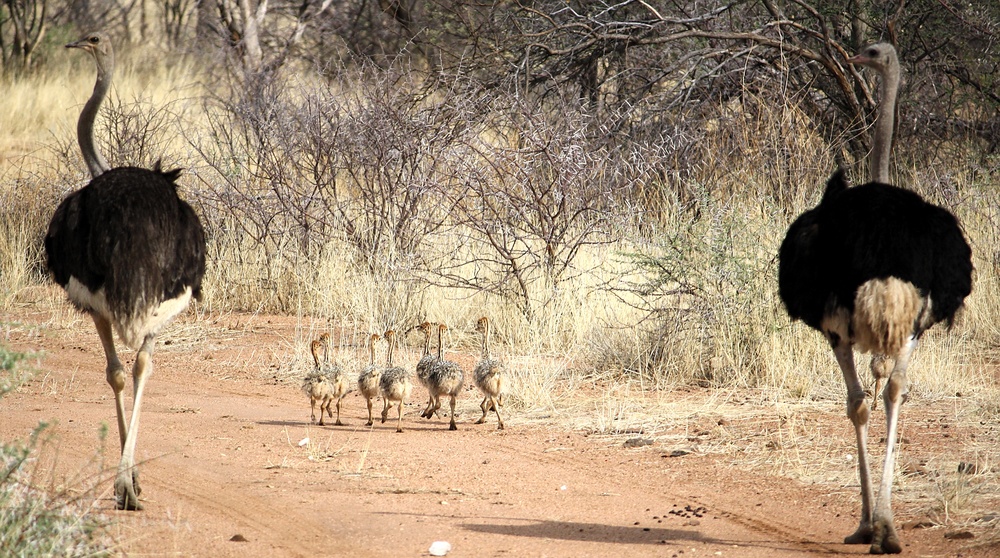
point(885, 540)
point(127, 491)
point(862, 536)
point(452, 426)
point(480, 421)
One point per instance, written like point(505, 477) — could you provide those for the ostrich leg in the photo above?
point(115, 372)
point(858, 412)
point(885, 539)
point(127, 488)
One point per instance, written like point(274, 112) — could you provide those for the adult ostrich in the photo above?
point(872, 267)
point(130, 253)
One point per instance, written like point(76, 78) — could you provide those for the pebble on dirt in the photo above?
point(439, 548)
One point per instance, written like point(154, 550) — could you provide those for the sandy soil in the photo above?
point(225, 471)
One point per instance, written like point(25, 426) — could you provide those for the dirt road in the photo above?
point(227, 472)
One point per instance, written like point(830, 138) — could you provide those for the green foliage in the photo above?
point(34, 521)
point(9, 372)
point(707, 284)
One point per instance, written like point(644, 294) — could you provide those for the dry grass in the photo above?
point(600, 355)
point(716, 320)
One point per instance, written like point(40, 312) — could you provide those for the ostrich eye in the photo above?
point(873, 53)
point(94, 40)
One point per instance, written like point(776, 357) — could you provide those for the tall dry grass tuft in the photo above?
point(25, 203)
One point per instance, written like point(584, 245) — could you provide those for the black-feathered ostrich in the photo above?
point(130, 253)
point(873, 267)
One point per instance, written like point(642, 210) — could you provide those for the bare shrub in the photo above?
point(139, 132)
point(537, 190)
point(129, 132)
point(26, 202)
point(297, 166)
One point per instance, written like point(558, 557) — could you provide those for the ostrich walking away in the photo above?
point(872, 267)
point(370, 377)
point(489, 376)
point(445, 377)
point(129, 252)
point(394, 383)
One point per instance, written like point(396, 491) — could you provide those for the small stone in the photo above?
point(238, 538)
point(439, 548)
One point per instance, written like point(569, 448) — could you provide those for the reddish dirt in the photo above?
point(222, 461)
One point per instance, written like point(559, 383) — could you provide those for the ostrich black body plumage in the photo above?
point(129, 252)
point(128, 236)
point(872, 267)
point(872, 231)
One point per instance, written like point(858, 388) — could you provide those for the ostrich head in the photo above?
point(99, 46)
point(880, 57)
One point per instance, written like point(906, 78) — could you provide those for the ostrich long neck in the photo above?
point(884, 125)
point(315, 352)
point(439, 343)
point(427, 342)
point(85, 126)
point(371, 352)
point(486, 340)
point(392, 341)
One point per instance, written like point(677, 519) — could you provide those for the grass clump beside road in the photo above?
point(39, 520)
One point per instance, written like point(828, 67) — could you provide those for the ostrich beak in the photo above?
point(857, 59)
point(89, 42)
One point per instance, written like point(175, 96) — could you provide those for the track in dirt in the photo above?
point(222, 460)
